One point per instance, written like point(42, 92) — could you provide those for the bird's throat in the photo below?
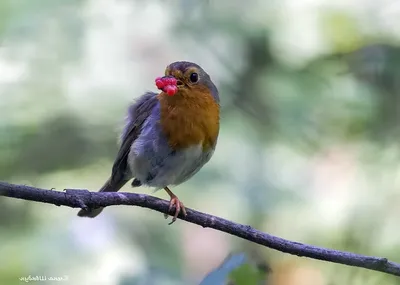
point(189, 120)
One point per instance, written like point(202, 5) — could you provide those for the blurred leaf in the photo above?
point(342, 30)
point(247, 274)
point(220, 275)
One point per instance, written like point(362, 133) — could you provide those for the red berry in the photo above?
point(159, 83)
point(171, 90)
point(172, 81)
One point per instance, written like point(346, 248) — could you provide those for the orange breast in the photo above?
point(190, 118)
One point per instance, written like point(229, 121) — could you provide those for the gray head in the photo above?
point(190, 75)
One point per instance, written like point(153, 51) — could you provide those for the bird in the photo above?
point(168, 136)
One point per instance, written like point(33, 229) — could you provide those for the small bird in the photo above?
point(168, 137)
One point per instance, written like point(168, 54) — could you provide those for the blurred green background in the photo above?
point(309, 148)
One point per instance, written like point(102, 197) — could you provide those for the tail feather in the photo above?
point(107, 187)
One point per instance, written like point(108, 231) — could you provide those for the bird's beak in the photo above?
point(178, 82)
point(167, 77)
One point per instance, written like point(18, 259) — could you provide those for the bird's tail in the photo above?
point(107, 187)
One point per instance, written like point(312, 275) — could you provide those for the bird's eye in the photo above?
point(194, 77)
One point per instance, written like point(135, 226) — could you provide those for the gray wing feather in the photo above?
point(137, 115)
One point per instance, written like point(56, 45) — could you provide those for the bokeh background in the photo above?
point(309, 148)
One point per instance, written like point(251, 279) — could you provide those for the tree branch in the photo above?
point(85, 199)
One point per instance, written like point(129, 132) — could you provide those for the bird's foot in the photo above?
point(179, 207)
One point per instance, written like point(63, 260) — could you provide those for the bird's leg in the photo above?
point(178, 205)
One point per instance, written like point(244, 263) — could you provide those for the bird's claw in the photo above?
point(179, 208)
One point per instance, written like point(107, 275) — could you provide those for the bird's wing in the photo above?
point(137, 115)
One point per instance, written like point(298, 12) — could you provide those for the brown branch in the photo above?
point(85, 199)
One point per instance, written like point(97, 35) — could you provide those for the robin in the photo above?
point(168, 137)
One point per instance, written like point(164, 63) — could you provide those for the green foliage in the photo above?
point(220, 275)
point(237, 269)
point(247, 275)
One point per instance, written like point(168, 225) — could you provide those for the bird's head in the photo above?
point(186, 79)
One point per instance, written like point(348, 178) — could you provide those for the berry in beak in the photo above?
point(167, 84)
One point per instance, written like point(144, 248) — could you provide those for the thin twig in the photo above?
point(84, 199)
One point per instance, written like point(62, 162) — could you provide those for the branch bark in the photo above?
point(76, 198)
